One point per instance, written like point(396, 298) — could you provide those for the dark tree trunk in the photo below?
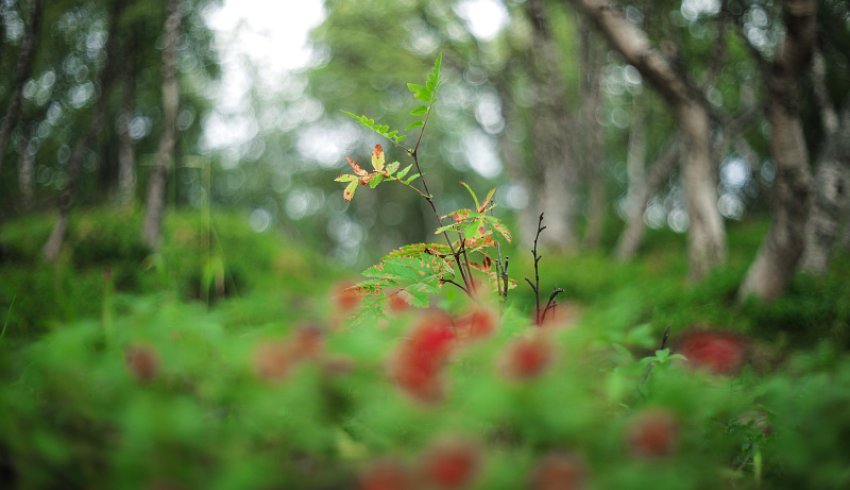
point(155, 204)
point(706, 237)
point(777, 258)
point(57, 236)
point(831, 204)
point(23, 70)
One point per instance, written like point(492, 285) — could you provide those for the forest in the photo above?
point(461, 244)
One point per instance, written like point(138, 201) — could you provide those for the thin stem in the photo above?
point(536, 286)
point(429, 198)
point(466, 261)
point(449, 281)
point(414, 188)
point(505, 275)
point(551, 304)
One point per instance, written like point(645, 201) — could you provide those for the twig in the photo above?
point(414, 153)
point(661, 347)
point(536, 286)
point(551, 304)
point(505, 275)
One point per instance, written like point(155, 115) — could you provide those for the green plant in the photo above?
point(471, 249)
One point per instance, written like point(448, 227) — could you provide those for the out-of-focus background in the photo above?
point(535, 102)
point(179, 304)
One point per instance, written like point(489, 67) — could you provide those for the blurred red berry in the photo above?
point(717, 352)
point(386, 474)
point(419, 361)
point(477, 324)
point(142, 361)
point(307, 342)
point(397, 301)
point(347, 296)
point(653, 433)
point(527, 357)
point(450, 464)
point(558, 471)
point(272, 360)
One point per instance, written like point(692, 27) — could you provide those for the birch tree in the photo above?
point(706, 235)
point(779, 253)
point(155, 203)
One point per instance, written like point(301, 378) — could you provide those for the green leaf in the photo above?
point(382, 129)
point(420, 92)
point(375, 180)
point(487, 201)
point(346, 178)
point(350, 189)
point(414, 125)
point(419, 111)
point(392, 167)
point(471, 193)
point(433, 82)
point(404, 172)
point(411, 178)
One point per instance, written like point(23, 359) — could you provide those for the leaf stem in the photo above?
point(429, 198)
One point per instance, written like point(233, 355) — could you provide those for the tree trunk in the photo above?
point(155, 204)
point(26, 167)
point(777, 258)
point(126, 152)
point(550, 132)
point(57, 235)
point(831, 199)
point(644, 187)
point(706, 237)
point(23, 70)
point(592, 137)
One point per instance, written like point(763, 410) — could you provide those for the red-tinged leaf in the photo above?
point(378, 158)
point(357, 170)
point(487, 200)
point(502, 229)
point(391, 168)
point(350, 189)
point(346, 178)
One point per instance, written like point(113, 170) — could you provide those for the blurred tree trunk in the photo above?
point(592, 61)
point(107, 77)
point(26, 165)
point(831, 199)
point(155, 203)
point(126, 152)
point(777, 258)
point(706, 237)
point(550, 132)
point(641, 191)
point(23, 70)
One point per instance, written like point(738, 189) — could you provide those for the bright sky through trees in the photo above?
point(260, 42)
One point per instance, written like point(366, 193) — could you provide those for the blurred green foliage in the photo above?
point(136, 384)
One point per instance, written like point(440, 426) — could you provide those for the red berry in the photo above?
point(558, 471)
point(272, 360)
point(397, 301)
point(450, 464)
point(717, 352)
point(142, 361)
point(477, 324)
point(419, 361)
point(653, 433)
point(347, 296)
point(386, 474)
point(527, 357)
point(307, 343)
